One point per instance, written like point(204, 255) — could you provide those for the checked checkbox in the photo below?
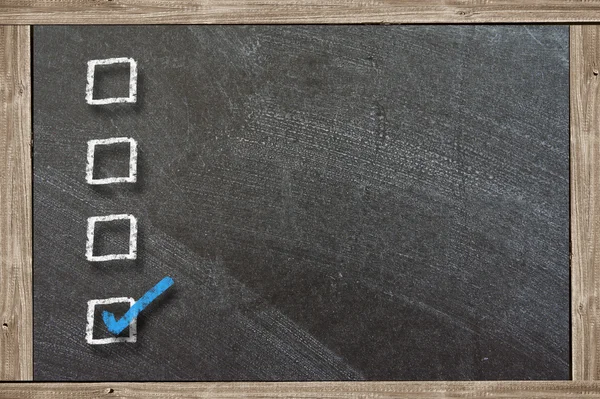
point(95, 308)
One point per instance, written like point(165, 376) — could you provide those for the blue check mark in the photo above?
point(117, 326)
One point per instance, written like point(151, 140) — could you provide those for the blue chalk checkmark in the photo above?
point(117, 326)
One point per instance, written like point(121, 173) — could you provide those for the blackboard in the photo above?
point(331, 202)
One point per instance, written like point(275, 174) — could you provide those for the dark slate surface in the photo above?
point(333, 202)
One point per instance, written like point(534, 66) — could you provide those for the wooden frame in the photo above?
point(16, 340)
point(33, 12)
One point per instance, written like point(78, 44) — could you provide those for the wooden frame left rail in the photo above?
point(16, 307)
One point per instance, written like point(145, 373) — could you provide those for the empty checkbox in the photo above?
point(96, 332)
point(112, 65)
point(101, 151)
point(93, 231)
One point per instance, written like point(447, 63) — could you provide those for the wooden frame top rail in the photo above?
point(25, 12)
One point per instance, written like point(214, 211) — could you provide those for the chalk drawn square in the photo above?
point(91, 228)
point(89, 328)
point(91, 152)
point(91, 72)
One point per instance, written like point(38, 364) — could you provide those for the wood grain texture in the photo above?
point(308, 390)
point(16, 356)
point(585, 200)
point(295, 11)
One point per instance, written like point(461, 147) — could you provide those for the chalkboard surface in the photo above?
point(331, 202)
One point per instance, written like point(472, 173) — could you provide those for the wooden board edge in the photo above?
point(585, 200)
point(297, 11)
point(16, 308)
point(310, 390)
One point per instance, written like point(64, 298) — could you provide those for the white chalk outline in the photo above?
point(89, 328)
point(89, 246)
point(89, 167)
point(91, 71)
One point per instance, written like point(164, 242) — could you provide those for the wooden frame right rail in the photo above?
point(585, 201)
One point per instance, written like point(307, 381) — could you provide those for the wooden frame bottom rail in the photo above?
point(310, 390)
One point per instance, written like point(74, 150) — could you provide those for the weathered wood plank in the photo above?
point(372, 390)
point(16, 342)
point(585, 200)
point(296, 11)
